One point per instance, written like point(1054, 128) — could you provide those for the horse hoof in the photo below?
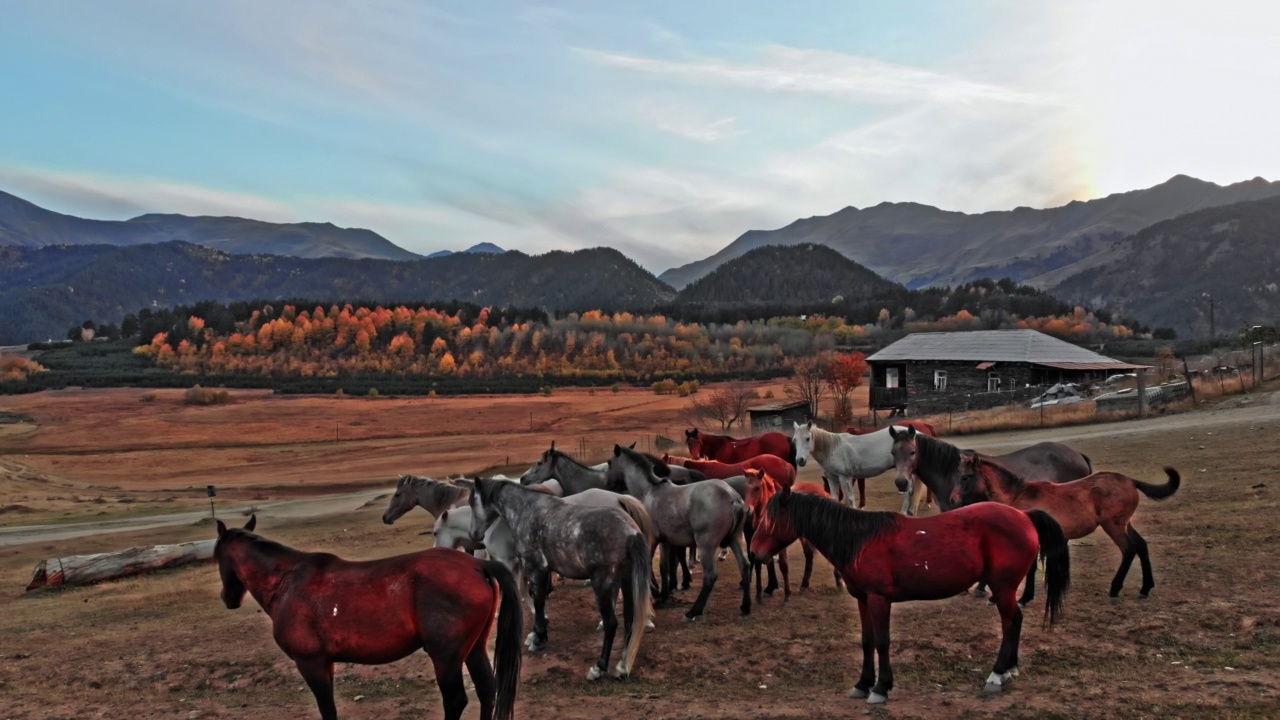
point(858, 694)
point(619, 673)
point(745, 611)
point(1144, 596)
point(648, 625)
point(1013, 672)
point(594, 673)
point(691, 618)
point(993, 688)
point(876, 698)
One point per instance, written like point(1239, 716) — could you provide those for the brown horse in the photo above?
point(704, 446)
point(776, 467)
point(761, 487)
point(1104, 500)
point(324, 609)
point(919, 426)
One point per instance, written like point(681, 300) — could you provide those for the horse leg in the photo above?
point(807, 549)
point(319, 677)
point(1011, 626)
point(686, 557)
point(606, 594)
point(452, 690)
point(666, 572)
point(1029, 590)
point(709, 575)
point(540, 578)
point(786, 580)
point(862, 491)
point(1120, 536)
point(772, 587)
point(846, 490)
point(481, 671)
point(744, 569)
point(879, 607)
point(1140, 547)
point(862, 688)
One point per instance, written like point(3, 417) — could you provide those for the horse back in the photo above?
point(1046, 462)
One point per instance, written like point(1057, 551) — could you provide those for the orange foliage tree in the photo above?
point(844, 374)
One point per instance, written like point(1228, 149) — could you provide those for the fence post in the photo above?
point(1142, 394)
point(1186, 372)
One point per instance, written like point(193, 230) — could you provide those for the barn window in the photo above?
point(891, 377)
point(939, 379)
point(993, 382)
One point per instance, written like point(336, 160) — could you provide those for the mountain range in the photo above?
point(920, 245)
point(27, 225)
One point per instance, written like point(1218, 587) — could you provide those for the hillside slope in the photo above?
point(801, 275)
point(24, 224)
point(1161, 273)
point(921, 245)
point(44, 291)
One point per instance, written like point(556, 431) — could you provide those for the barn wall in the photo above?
point(967, 386)
point(781, 421)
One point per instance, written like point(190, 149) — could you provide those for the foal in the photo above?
point(1104, 500)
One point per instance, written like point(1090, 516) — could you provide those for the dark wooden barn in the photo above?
point(778, 416)
point(937, 372)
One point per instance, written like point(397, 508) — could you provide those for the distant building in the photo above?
point(777, 416)
point(934, 372)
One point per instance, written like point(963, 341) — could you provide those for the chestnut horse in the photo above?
point(779, 469)
point(731, 450)
point(886, 557)
point(324, 609)
point(759, 486)
point(1104, 500)
point(861, 483)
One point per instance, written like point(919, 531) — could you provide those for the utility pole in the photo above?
point(1212, 332)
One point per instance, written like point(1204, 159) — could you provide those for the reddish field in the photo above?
point(160, 646)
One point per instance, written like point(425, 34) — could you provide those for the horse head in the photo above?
point(905, 454)
point(402, 500)
point(773, 530)
point(233, 588)
point(973, 485)
point(483, 513)
point(693, 439)
point(760, 489)
point(802, 435)
point(544, 469)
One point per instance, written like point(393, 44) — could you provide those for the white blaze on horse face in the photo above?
point(803, 437)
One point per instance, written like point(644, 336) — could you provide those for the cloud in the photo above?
point(120, 198)
point(818, 72)
point(703, 132)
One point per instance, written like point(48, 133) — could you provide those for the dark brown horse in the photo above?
point(324, 609)
point(1104, 500)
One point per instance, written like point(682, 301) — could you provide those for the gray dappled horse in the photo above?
point(602, 545)
point(706, 515)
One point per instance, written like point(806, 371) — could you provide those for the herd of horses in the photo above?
point(606, 523)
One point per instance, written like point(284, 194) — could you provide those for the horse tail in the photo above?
point(1057, 562)
point(739, 518)
point(1160, 492)
point(510, 636)
point(635, 510)
point(640, 563)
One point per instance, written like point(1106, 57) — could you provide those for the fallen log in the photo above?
point(89, 569)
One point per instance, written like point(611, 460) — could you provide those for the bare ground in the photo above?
point(162, 646)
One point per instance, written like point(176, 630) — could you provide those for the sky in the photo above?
point(663, 129)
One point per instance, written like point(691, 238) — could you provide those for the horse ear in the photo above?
point(553, 446)
point(222, 528)
point(617, 450)
point(893, 433)
point(693, 433)
point(632, 445)
point(911, 431)
point(253, 523)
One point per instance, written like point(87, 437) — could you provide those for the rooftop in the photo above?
point(779, 406)
point(1023, 346)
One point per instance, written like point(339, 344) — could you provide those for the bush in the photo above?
point(545, 389)
point(198, 395)
point(664, 387)
point(615, 388)
point(148, 398)
point(373, 393)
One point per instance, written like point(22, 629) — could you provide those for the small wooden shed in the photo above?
point(778, 415)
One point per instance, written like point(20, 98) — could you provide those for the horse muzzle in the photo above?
point(386, 520)
point(800, 462)
point(232, 603)
point(901, 484)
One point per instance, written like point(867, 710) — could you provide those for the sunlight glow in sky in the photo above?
point(662, 129)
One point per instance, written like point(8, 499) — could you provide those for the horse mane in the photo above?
point(261, 544)
point(937, 453)
point(1011, 481)
point(438, 491)
point(823, 442)
point(640, 459)
point(845, 528)
point(660, 468)
point(558, 454)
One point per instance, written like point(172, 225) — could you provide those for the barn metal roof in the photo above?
point(984, 346)
point(778, 406)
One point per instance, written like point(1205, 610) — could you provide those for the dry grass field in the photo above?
point(1207, 644)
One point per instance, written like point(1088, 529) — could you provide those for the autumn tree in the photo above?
point(809, 383)
point(726, 404)
point(844, 374)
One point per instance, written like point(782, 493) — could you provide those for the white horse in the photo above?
point(844, 457)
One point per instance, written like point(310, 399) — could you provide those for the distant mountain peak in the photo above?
point(485, 247)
